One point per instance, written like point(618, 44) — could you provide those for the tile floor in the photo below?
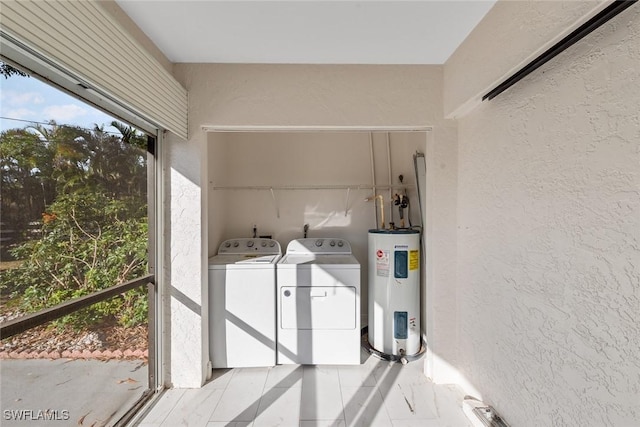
point(375, 393)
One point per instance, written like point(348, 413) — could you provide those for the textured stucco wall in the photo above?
point(186, 338)
point(301, 95)
point(549, 238)
point(440, 300)
point(307, 95)
point(510, 33)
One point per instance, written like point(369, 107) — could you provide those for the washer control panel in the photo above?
point(250, 246)
point(320, 245)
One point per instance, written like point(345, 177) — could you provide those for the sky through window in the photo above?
point(27, 100)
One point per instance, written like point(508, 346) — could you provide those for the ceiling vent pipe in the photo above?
point(595, 22)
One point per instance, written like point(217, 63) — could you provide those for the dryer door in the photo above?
point(318, 307)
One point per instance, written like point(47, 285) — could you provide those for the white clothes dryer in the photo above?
point(318, 303)
point(242, 300)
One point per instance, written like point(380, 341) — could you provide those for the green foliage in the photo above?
point(7, 71)
point(40, 162)
point(90, 242)
point(28, 185)
point(86, 188)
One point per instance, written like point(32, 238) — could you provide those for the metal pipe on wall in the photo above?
point(373, 175)
point(390, 179)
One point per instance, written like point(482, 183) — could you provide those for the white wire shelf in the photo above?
point(347, 188)
point(312, 187)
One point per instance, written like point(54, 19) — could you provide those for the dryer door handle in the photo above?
point(318, 293)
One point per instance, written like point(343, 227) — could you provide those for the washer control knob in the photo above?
point(263, 244)
point(340, 243)
point(332, 243)
point(250, 243)
point(272, 244)
point(236, 244)
point(318, 243)
point(227, 244)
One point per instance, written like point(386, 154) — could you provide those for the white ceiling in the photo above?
point(307, 32)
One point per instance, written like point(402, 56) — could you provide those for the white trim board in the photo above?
point(226, 128)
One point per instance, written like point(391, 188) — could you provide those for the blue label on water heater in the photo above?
point(400, 325)
point(400, 264)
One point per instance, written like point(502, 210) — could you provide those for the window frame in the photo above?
point(65, 81)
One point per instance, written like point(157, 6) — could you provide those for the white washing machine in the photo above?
point(318, 303)
point(242, 301)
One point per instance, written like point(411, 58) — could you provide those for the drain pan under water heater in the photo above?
point(394, 291)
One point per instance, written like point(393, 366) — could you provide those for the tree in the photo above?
point(28, 185)
point(130, 135)
point(42, 161)
point(7, 71)
point(89, 242)
point(87, 190)
point(72, 155)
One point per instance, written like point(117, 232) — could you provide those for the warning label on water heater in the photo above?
point(382, 263)
point(414, 260)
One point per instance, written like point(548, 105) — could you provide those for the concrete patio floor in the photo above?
point(74, 392)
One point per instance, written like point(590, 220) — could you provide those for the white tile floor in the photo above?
point(375, 393)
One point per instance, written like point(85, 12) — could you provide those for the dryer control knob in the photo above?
point(263, 244)
point(227, 245)
point(249, 243)
point(236, 244)
point(340, 243)
point(272, 244)
point(318, 243)
point(332, 243)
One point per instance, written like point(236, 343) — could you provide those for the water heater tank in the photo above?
point(394, 291)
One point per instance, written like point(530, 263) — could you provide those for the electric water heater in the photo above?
point(394, 291)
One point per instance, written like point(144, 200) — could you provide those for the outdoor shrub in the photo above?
point(89, 242)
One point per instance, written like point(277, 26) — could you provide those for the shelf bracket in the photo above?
point(346, 204)
point(275, 203)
